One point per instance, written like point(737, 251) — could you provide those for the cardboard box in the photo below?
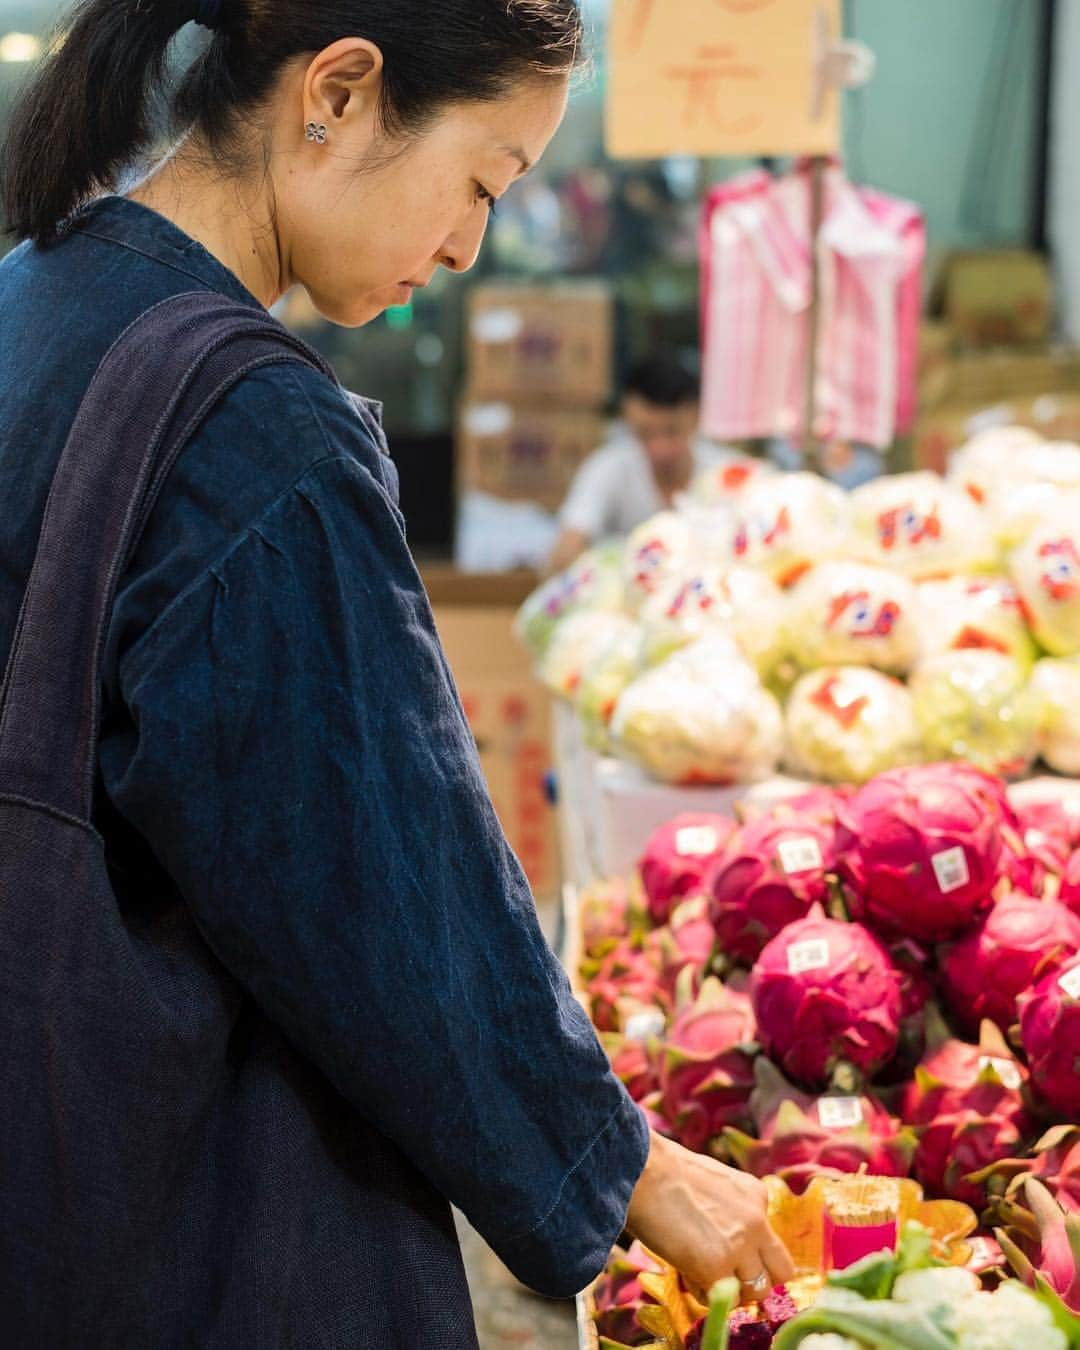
point(1055, 416)
point(998, 297)
point(534, 342)
point(1005, 375)
point(508, 711)
point(525, 453)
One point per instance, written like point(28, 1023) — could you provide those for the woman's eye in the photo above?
point(483, 195)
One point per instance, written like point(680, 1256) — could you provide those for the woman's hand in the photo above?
point(707, 1220)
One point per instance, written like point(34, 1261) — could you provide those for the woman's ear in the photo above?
point(344, 81)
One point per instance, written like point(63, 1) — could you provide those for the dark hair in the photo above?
point(87, 113)
point(663, 381)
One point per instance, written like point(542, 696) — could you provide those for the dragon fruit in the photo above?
point(1050, 1032)
point(1015, 944)
point(1052, 1161)
point(633, 1062)
point(1069, 892)
point(966, 1102)
point(920, 852)
point(606, 915)
point(625, 980)
point(684, 945)
point(1049, 834)
point(800, 1137)
point(1051, 1256)
point(619, 1295)
point(707, 1065)
point(677, 857)
point(825, 993)
point(771, 873)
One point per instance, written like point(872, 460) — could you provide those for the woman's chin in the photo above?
point(356, 313)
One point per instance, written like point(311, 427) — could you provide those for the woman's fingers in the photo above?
point(776, 1258)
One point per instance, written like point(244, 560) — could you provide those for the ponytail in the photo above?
point(87, 114)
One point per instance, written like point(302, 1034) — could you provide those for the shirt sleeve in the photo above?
point(301, 765)
point(587, 507)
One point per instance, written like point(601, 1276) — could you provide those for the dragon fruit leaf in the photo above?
point(723, 1297)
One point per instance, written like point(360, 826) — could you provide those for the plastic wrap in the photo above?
point(784, 524)
point(845, 613)
point(578, 641)
point(593, 581)
point(726, 483)
point(656, 552)
point(976, 614)
point(702, 716)
point(977, 706)
point(847, 723)
point(991, 455)
point(919, 524)
point(1046, 571)
point(1056, 684)
point(613, 666)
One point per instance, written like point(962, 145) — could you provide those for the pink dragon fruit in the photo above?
point(800, 1136)
point(625, 980)
point(1069, 894)
point(1050, 834)
point(1050, 1032)
point(1017, 942)
point(1049, 1257)
point(920, 850)
point(605, 916)
point(677, 856)
point(619, 1295)
point(1052, 1162)
point(685, 944)
point(633, 1061)
point(817, 804)
point(770, 874)
point(967, 1104)
point(707, 1065)
point(825, 993)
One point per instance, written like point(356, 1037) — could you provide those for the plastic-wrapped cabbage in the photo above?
point(1046, 570)
point(974, 614)
point(855, 614)
point(725, 483)
point(593, 581)
point(1056, 684)
point(578, 641)
point(919, 524)
point(847, 723)
point(662, 548)
point(702, 716)
point(988, 457)
point(1017, 507)
point(785, 523)
point(977, 706)
point(737, 600)
point(614, 666)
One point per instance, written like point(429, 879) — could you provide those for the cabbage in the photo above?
point(991, 455)
point(921, 525)
point(615, 664)
point(660, 549)
point(784, 524)
point(1046, 570)
point(977, 706)
point(593, 581)
point(854, 614)
point(578, 641)
point(702, 716)
point(847, 723)
point(724, 483)
point(1020, 500)
point(974, 613)
point(1056, 684)
point(738, 601)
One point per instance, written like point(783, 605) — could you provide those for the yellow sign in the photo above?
point(722, 77)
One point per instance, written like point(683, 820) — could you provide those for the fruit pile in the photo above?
point(773, 618)
point(883, 978)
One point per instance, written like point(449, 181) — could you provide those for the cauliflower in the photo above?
point(829, 1340)
point(1006, 1320)
point(939, 1284)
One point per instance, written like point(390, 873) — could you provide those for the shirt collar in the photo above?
point(137, 227)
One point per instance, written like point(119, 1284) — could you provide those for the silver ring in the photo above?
point(758, 1285)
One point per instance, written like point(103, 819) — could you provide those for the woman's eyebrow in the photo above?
point(518, 154)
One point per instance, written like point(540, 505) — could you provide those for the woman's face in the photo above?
point(362, 219)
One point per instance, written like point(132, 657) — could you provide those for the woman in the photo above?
point(283, 759)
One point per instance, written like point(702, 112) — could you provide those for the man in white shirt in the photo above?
point(654, 453)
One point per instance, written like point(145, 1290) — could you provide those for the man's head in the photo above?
point(661, 408)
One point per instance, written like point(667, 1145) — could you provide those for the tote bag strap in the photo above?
point(154, 387)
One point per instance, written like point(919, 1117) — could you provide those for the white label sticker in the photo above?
point(1070, 982)
point(696, 841)
point(800, 855)
point(642, 1026)
point(1006, 1070)
point(840, 1113)
point(951, 869)
point(488, 419)
point(813, 954)
point(501, 324)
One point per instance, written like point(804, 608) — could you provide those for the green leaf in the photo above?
point(871, 1278)
point(723, 1297)
point(879, 1325)
point(1064, 1317)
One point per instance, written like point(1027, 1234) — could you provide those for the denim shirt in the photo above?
point(284, 753)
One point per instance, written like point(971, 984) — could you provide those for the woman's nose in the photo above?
point(461, 249)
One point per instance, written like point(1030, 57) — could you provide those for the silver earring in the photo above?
point(315, 131)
